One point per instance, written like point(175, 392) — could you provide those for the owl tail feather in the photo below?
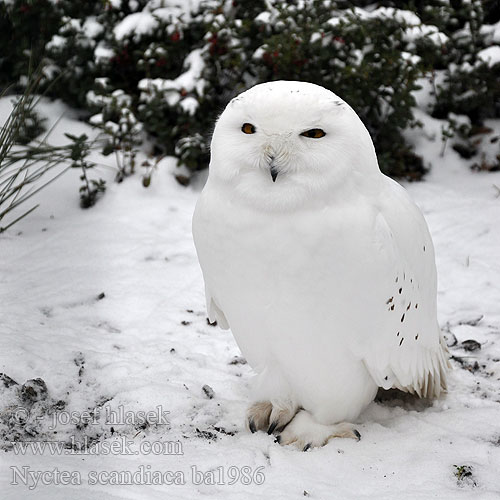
point(430, 381)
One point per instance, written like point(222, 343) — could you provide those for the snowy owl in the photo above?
point(322, 266)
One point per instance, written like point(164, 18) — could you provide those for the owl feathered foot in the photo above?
point(304, 432)
point(270, 417)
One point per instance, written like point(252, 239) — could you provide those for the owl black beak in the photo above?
point(272, 167)
point(274, 172)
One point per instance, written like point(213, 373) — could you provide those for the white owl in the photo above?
point(322, 266)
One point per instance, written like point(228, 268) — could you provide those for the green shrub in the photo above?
point(179, 69)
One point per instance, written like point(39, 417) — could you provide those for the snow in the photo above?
point(148, 19)
point(496, 32)
point(334, 21)
point(113, 127)
point(413, 29)
point(412, 58)
point(139, 23)
point(146, 344)
point(402, 16)
point(315, 37)
point(118, 96)
point(188, 81)
point(56, 41)
point(263, 17)
point(169, 14)
point(49, 71)
point(490, 55)
point(189, 105)
point(259, 52)
point(491, 31)
point(187, 6)
point(103, 53)
point(92, 28)
point(96, 119)
point(425, 30)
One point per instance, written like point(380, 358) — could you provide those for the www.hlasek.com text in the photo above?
point(119, 445)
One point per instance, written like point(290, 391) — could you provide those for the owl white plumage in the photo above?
point(322, 266)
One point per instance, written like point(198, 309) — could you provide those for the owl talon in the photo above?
point(272, 427)
point(304, 432)
point(251, 425)
point(281, 415)
point(271, 417)
point(258, 416)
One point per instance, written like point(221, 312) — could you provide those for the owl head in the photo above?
point(285, 143)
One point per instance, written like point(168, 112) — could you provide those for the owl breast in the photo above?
point(302, 293)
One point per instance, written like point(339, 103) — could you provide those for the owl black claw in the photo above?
point(357, 434)
point(272, 427)
point(278, 439)
point(251, 425)
point(306, 447)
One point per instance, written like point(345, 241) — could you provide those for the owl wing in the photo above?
point(406, 350)
point(203, 235)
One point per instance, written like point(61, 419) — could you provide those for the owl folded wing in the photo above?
point(406, 349)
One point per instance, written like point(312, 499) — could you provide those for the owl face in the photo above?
point(280, 143)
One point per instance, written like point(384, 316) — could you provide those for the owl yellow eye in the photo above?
point(314, 133)
point(248, 128)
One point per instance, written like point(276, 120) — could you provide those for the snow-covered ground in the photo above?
point(106, 306)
